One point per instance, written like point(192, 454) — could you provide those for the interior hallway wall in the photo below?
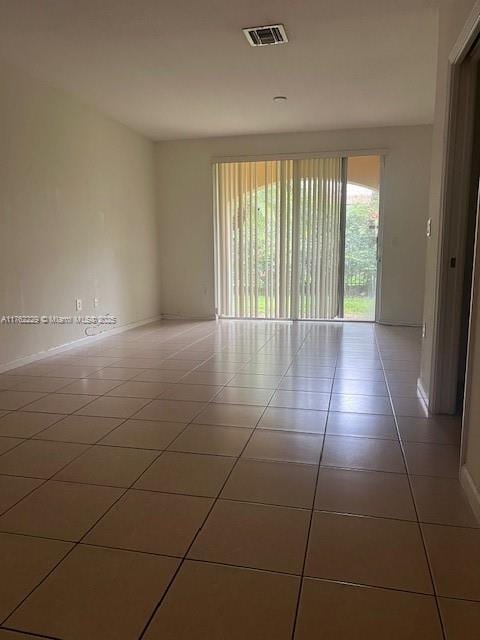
point(77, 215)
point(185, 196)
point(452, 17)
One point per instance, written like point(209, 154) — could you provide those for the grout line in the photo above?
point(28, 633)
point(412, 495)
point(241, 566)
point(264, 340)
point(78, 542)
point(310, 524)
point(142, 634)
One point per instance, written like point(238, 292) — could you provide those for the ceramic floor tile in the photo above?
point(293, 420)
point(82, 429)
point(61, 510)
point(454, 554)
point(432, 459)
point(170, 410)
point(414, 407)
point(356, 373)
point(206, 377)
point(218, 602)
point(263, 368)
point(404, 389)
point(363, 360)
point(151, 522)
point(90, 386)
point(110, 407)
point(144, 434)
point(370, 493)
point(255, 381)
point(11, 400)
point(437, 429)
point(154, 436)
point(253, 535)
point(216, 440)
point(370, 551)
point(188, 473)
point(399, 364)
point(72, 371)
point(128, 585)
point(13, 489)
point(115, 373)
point(357, 424)
point(244, 395)
point(360, 387)
point(301, 400)
point(342, 611)
point(442, 501)
point(39, 459)
point(363, 453)
point(360, 404)
point(24, 562)
point(407, 377)
point(43, 385)
point(31, 370)
point(110, 466)
point(6, 444)
point(290, 485)
point(60, 403)
point(461, 618)
point(140, 363)
point(306, 371)
point(230, 415)
point(179, 365)
point(284, 446)
point(158, 375)
point(16, 635)
point(138, 389)
point(13, 381)
point(23, 424)
point(195, 392)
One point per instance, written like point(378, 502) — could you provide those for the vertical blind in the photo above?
point(279, 238)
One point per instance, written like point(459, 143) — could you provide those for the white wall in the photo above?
point(77, 215)
point(471, 420)
point(452, 17)
point(185, 205)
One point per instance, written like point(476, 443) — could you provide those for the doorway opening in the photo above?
point(452, 335)
point(297, 238)
point(361, 237)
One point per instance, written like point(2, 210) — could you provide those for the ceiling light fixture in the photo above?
point(280, 99)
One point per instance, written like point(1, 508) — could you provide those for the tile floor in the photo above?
point(233, 480)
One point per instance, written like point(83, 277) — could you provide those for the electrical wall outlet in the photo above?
point(78, 304)
point(96, 302)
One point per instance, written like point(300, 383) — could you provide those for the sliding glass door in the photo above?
point(280, 238)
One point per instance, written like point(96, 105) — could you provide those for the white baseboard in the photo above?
point(394, 323)
point(20, 362)
point(473, 494)
point(180, 316)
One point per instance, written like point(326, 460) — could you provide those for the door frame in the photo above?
point(454, 212)
point(378, 290)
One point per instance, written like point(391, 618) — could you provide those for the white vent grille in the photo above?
point(270, 34)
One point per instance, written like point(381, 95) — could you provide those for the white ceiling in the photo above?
point(182, 68)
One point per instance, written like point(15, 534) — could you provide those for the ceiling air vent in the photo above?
point(261, 36)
